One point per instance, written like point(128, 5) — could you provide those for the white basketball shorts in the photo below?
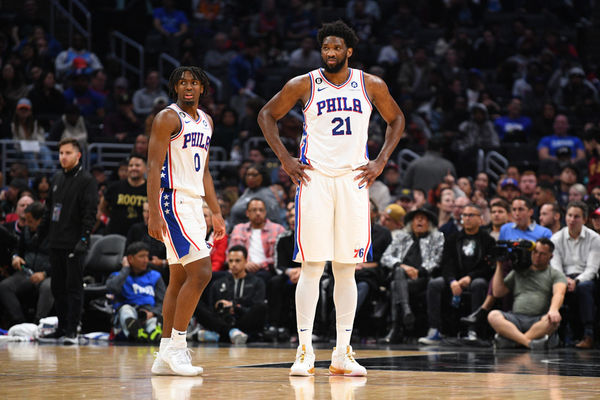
point(332, 219)
point(186, 228)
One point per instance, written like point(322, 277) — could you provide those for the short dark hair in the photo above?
point(36, 209)
point(338, 29)
point(555, 207)
point(546, 186)
point(547, 242)
point(196, 72)
point(256, 199)
point(71, 141)
point(136, 155)
point(581, 205)
point(527, 202)
point(503, 204)
point(239, 247)
point(136, 247)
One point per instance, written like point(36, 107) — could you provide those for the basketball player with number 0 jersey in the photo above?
point(178, 182)
point(334, 173)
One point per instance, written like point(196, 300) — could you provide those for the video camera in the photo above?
point(518, 252)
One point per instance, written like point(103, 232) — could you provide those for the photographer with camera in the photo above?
point(237, 301)
point(577, 255)
point(538, 293)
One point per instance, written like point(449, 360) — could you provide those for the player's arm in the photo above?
point(388, 108)
point(210, 196)
point(165, 124)
point(294, 90)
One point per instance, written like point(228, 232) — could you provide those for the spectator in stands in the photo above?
point(244, 71)
point(143, 98)
point(47, 101)
point(258, 236)
point(543, 122)
point(538, 294)
point(413, 256)
point(550, 216)
point(413, 77)
point(139, 292)
point(226, 130)
point(577, 192)
point(120, 87)
point(219, 247)
point(124, 200)
point(574, 93)
point(455, 223)
point(576, 255)
point(500, 215)
point(549, 145)
point(527, 184)
point(465, 185)
point(71, 124)
point(544, 194)
point(159, 104)
point(10, 197)
point(69, 217)
point(482, 183)
point(140, 146)
point(76, 58)
point(30, 135)
point(236, 302)
point(257, 183)
point(217, 59)
point(123, 124)
point(523, 227)
point(569, 175)
point(41, 187)
point(90, 104)
point(513, 127)
point(171, 24)
point(15, 222)
point(299, 21)
point(392, 217)
point(509, 189)
point(445, 206)
point(406, 198)
point(30, 279)
point(595, 192)
point(12, 84)
point(305, 58)
point(98, 83)
point(466, 267)
point(426, 172)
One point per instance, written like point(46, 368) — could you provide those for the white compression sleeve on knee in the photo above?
point(344, 298)
point(307, 296)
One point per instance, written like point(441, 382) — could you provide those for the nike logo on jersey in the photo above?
point(303, 330)
point(187, 122)
point(321, 88)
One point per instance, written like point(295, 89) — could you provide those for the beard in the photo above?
point(335, 68)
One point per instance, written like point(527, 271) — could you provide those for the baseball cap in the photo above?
point(596, 212)
point(405, 193)
point(509, 182)
point(24, 103)
point(576, 71)
point(396, 212)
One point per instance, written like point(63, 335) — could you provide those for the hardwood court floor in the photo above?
point(31, 371)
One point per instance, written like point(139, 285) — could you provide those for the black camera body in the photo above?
point(518, 252)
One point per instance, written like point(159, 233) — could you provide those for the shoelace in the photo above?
point(183, 356)
point(301, 356)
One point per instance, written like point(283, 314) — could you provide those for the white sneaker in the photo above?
point(160, 367)
point(180, 361)
point(304, 364)
point(237, 337)
point(343, 363)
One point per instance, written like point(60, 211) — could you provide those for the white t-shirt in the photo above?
point(256, 252)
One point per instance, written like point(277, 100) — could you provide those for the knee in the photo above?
point(399, 274)
point(494, 316)
point(479, 284)
point(436, 284)
point(585, 287)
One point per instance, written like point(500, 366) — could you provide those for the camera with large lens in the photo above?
point(518, 252)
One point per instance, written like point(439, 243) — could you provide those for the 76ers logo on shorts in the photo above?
point(359, 253)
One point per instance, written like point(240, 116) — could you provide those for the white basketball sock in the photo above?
point(307, 296)
point(178, 338)
point(344, 298)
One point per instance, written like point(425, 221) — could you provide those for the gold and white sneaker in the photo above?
point(304, 364)
point(343, 363)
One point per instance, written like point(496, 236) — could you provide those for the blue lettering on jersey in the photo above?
point(338, 104)
point(196, 139)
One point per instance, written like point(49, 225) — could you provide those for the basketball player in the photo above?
point(334, 174)
point(178, 178)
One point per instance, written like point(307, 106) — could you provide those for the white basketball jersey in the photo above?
point(336, 124)
point(186, 154)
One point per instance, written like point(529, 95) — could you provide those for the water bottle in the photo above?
point(456, 301)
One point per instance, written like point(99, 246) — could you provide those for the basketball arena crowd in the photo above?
point(498, 170)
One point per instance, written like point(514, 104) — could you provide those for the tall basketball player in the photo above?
point(334, 174)
point(178, 180)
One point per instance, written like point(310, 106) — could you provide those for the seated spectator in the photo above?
point(466, 267)
point(122, 125)
point(30, 278)
point(46, 99)
point(217, 59)
point(538, 295)
point(143, 99)
point(577, 192)
point(90, 103)
point(306, 57)
point(27, 130)
point(509, 189)
point(426, 172)
point(258, 236)
point(413, 256)
point(139, 293)
point(71, 124)
point(549, 145)
point(527, 184)
point(550, 217)
point(572, 96)
point(124, 200)
point(464, 183)
point(455, 224)
point(523, 227)
point(76, 57)
point(218, 247)
point(513, 127)
point(500, 216)
point(159, 104)
point(12, 84)
point(392, 217)
point(544, 194)
point(576, 255)
point(569, 175)
point(15, 222)
point(257, 181)
point(171, 24)
point(236, 303)
point(406, 198)
point(445, 206)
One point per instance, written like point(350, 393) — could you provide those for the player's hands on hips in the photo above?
point(295, 169)
point(369, 172)
point(218, 226)
point(157, 228)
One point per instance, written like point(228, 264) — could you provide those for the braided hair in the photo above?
point(196, 72)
